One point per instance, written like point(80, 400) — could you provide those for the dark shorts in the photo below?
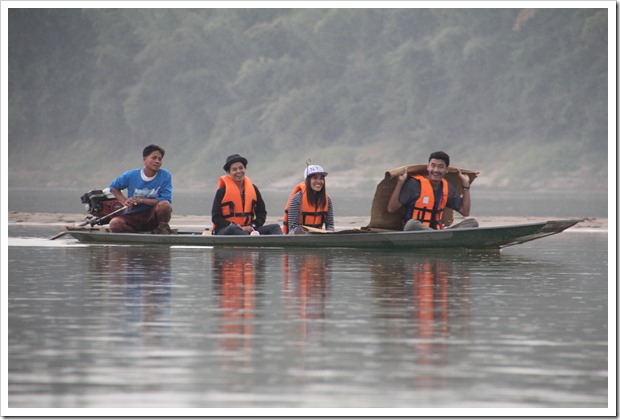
point(141, 221)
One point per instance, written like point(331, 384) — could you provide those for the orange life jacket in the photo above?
point(424, 208)
point(309, 214)
point(234, 208)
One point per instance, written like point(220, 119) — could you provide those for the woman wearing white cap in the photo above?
point(309, 204)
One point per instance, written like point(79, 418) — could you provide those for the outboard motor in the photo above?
point(100, 203)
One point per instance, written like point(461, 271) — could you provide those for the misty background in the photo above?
point(520, 95)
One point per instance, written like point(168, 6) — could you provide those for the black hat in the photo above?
point(234, 158)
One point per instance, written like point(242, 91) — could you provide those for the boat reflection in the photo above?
point(137, 284)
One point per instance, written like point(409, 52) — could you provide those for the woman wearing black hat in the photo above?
point(238, 207)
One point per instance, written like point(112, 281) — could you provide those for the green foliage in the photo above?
point(50, 55)
point(367, 88)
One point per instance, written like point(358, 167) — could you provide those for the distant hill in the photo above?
point(518, 94)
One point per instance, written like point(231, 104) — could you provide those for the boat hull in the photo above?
point(468, 238)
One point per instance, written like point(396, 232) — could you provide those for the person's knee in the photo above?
point(273, 229)
point(116, 225)
point(232, 229)
point(466, 223)
point(415, 224)
point(163, 209)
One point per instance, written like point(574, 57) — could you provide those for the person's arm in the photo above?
point(261, 210)
point(117, 186)
point(293, 212)
point(466, 207)
point(394, 203)
point(329, 221)
point(165, 191)
point(217, 217)
point(132, 201)
point(119, 196)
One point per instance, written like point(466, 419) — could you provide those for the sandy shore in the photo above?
point(350, 222)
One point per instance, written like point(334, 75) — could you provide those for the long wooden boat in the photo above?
point(483, 238)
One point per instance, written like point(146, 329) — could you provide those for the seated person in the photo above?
point(238, 207)
point(309, 204)
point(149, 192)
point(424, 198)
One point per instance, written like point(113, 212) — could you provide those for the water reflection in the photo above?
point(236, 280)
point(138, 326)
point(305, 286)
point(430, 303)
point(136, 285)
point(424, 303)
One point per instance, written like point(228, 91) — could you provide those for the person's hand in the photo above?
point(133, 201)
point(403, 177)
point(464, 179)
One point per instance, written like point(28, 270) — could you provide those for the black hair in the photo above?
point(152, 148)
point(441, 156)
point(315, 198)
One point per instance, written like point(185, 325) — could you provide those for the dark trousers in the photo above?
point(234, 229)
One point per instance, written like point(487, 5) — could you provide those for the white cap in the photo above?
point(313, 169)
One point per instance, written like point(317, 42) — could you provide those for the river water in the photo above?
point(109, 326)
point(157, 327)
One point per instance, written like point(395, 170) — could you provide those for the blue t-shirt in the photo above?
point(139, 185)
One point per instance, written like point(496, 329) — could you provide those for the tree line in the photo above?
point(522, 91)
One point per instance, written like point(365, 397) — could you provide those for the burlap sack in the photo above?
point(380, 218)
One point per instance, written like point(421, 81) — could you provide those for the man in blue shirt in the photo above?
point(149, 195)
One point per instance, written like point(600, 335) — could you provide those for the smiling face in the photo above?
point(316, 182)
point(152, 163)
point(437, 169)
point(237, 172)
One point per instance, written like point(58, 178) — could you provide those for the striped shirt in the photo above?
point(295, 206)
